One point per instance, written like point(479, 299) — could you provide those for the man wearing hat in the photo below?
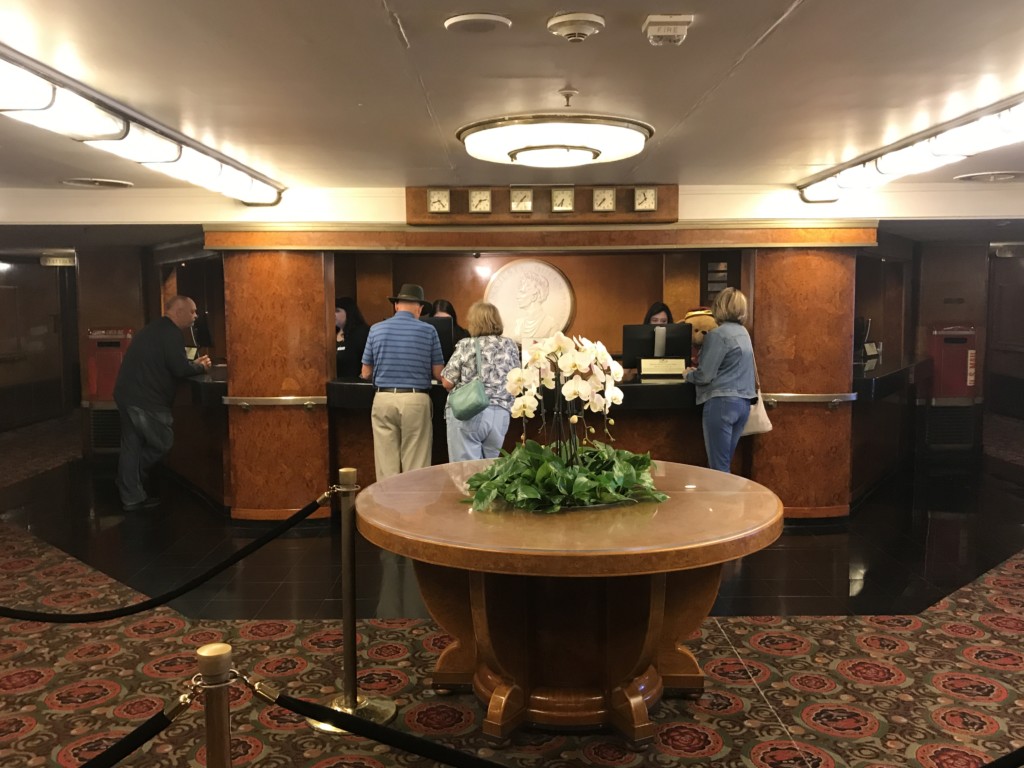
point(401, 356)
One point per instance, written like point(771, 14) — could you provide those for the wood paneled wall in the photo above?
point(611, 289)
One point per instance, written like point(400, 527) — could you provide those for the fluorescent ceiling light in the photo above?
point(73, 116)
point(141, 145)
point(966, 137)
point(555, 140)
point(39, 95)
point(20, 89)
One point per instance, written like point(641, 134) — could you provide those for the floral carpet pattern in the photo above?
point(944, 689)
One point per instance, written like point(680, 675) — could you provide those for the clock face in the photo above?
point(521, 200)
point(604, 199)
point(645, 199)
point(562, 199)
point(479, 201)
point(439, 201)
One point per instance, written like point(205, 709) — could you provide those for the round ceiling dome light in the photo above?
point(991, 177)
point(477, 22)
point(553, 140)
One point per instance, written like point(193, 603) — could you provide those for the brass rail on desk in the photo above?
point(832, 399)
point(246, 403)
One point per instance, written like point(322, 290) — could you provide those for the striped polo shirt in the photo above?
point(402, 351)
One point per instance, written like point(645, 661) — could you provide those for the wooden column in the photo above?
point(803, 342)
point(279, 320)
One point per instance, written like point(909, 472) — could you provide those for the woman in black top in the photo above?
point(444, 308)
point(658, 314)
point(352, 331)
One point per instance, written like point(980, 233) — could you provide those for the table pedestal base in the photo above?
point(569, 652)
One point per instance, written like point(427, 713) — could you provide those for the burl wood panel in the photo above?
point(803, 344)
point(478, 239)
point(280, 342)
point(279, 328)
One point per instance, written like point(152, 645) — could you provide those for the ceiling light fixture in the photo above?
point(995, 126)
point(34, 93)
point(555, 140)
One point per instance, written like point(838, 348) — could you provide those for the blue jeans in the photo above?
point(724, 419)
point(146, 437)
point(478, 438)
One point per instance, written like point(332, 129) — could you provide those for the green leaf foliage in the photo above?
point(535, 478)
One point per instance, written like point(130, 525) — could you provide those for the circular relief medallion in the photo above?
point(688, 740)
point(968, 687)
point(534, 298)
point(812, 683)
point(780, 643)
point(995, 657)
point(840, 720)
point(949, 756)
point(968, 722)
point(871, 672)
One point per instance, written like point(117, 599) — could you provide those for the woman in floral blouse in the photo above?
point(481, 437)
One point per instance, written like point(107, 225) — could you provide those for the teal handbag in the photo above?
point(471, 398)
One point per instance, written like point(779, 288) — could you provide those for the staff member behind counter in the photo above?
point(352, 330)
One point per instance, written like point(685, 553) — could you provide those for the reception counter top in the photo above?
point(878, 378)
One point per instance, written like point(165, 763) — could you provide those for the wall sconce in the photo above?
point(998, 125)
point(34, 93)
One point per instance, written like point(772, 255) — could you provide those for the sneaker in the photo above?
point(147, 503)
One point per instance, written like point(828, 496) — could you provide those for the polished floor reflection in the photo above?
point(904, 547)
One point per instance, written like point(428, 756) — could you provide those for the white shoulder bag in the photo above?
point(757, 422)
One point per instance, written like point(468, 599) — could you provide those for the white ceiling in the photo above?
point(327, 94)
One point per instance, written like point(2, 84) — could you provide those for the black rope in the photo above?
point(1013, 760)
point(404, 741)
point(154, 602)
point(130, 742)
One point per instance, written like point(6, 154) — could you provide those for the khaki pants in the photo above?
point(403, 432)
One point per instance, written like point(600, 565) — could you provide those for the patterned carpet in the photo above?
point(34, 449)
point(941, 690)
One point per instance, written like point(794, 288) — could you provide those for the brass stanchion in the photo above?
point(216, 674)
point(373, 708)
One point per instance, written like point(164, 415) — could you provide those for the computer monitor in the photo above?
point(445, 332)
point(672, 340)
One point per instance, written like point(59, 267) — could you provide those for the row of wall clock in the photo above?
point(563, 200)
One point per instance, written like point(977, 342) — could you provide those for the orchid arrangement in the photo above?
point(573, 470)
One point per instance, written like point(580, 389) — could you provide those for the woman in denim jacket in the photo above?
point(725, 378)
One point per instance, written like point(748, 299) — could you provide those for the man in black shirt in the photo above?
point(144, 393)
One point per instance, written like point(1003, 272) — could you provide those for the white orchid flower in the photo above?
point(597, 403)
point(615, 368)
point(585, 358)
point(576, 387)
point(524, 406)
point(567, 363)
point(515, 381)
point(613, 395)
point(604, 359)
point(562, 343)
point(597, 373)
point(547, 377)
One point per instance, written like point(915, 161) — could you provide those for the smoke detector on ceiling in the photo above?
point(666, 29)
point(575, 27)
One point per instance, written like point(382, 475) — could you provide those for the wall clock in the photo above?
point(521, 200)
point(439, 201)
point(645, 199)
point(604, 199)
point(479, 201)
point(562, 199)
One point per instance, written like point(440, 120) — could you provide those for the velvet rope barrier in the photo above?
point(155, 602)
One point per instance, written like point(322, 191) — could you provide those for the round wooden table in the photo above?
point(573, 619)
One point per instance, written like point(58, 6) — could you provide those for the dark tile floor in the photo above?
point(904, 547)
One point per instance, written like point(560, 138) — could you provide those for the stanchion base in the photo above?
point(371, 708)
